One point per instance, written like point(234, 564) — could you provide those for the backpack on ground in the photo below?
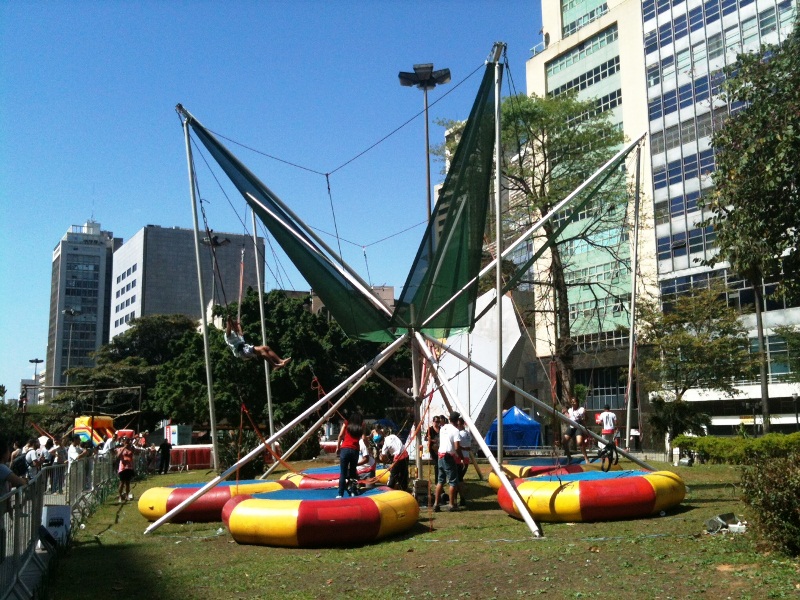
point(20, 466)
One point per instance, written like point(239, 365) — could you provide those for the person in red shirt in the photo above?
point(347, 449)
point(126, 469)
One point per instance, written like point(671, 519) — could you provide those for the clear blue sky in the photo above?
point(88, 127)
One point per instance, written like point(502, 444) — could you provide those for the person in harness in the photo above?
point(245, 351)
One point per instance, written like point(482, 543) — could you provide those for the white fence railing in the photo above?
point(80, 488)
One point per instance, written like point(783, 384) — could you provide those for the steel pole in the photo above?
point(209, 379)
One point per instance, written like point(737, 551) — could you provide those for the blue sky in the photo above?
point(88, 127)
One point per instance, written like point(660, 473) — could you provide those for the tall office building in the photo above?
point(686, 45)
point(79, 292)
point(591, 47)
point(155, 272)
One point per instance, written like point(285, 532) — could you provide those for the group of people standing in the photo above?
point(358, 446)
point(449, 444)
point(448, 441)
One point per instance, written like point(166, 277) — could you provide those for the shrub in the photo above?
point(771, 487)
point(738, 450)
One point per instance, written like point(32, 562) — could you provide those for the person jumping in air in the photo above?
point(245, 351)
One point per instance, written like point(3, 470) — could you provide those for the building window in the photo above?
point(696, 18)
point(657, 143)
point(653, 75)
point(767, 21)
point(680, 27)
point(699, 54)
point(733, 39)
point(715, 46)
point(662, 212)
point(687, 131)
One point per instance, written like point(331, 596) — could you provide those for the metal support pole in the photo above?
point(632, 333)
point(498, 172)
point(203, 321)
point(415, 373)
point(259, 263)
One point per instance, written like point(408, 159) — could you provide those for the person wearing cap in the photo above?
point(449, 449)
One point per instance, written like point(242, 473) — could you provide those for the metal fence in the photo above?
point(25, 541)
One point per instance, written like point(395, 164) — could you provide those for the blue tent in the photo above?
point(519, 431)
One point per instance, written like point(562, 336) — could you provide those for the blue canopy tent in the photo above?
point(519, 431)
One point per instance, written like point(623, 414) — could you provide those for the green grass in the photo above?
point(479, 553)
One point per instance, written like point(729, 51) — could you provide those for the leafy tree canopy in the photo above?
point(697, 342)
point(318, 347)
point(756, 206)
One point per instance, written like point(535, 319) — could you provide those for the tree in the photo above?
point(557, 142)
point(670, 419)
point(128, 366)
point(756, 205)
point(318, 347)
point(697, 341)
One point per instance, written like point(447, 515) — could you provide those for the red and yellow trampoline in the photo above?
point(314, 518)
point(328, 477)
point(156, 502)
point(595, 495)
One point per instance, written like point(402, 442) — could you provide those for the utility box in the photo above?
point(178, 435)
point(57, 521)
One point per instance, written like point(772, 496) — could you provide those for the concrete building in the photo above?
point(155, 272)
point(670, 90)
point(583, 51)
point(79, 292)
point(686, 45)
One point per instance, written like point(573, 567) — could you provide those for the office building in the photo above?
point(591, 47)
point(687, 44)
point(155, 273)
point(79, 292)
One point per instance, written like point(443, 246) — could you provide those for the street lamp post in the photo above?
point(72, 313)
point(425, 78)
point(796, 417)
point(754, 405)
point(36, 362)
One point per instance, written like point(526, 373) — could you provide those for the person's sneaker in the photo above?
point(338, 496)
point(436, 508)
point(130, 496)
point(451, 508)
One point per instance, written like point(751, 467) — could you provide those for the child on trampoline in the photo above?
point(245, 351)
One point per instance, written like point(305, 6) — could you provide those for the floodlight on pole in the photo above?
point(425, 78)
point(36, 362)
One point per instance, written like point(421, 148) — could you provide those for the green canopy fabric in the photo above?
point(449, 256)
point(350, 302)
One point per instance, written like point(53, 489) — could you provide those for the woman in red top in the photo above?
point(347, 449)
point(126, 470)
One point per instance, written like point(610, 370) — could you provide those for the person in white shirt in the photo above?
point(365, 455)
point(578, 414)
point(394, 451)
point(34, 458)
point(608, 422)
point(449, 449)
point(241, 349)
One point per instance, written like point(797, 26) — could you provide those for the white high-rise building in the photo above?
point(79, 293)
point(687, 43)
point(155, 272)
